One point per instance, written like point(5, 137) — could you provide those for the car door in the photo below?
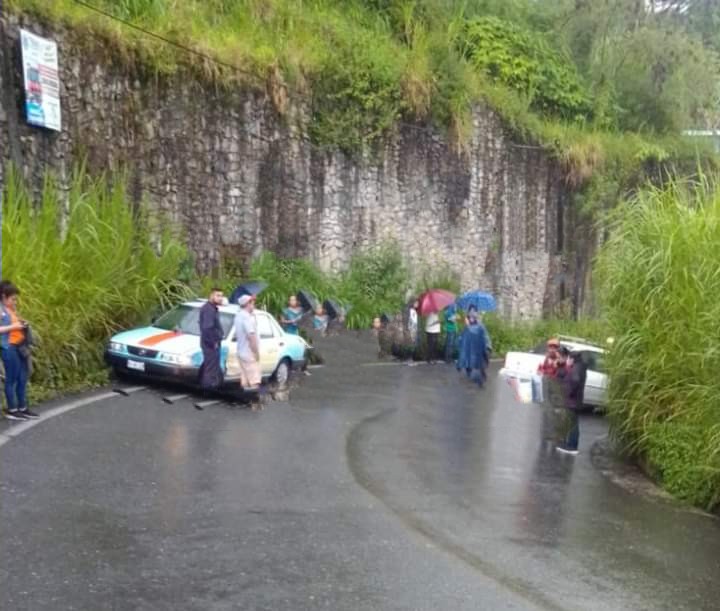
point(269, 340)
point(232, 365)
point(596, 381)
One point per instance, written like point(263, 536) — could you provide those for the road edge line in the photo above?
point(51, 413)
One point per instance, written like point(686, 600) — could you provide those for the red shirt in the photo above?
point(549, 366)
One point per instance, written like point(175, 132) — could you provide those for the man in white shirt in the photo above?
point(248, 345)
point(432, 334)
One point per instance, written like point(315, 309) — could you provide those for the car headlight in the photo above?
point(176, 359)
point(117, 347)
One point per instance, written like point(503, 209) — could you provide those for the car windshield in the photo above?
point(186, 319)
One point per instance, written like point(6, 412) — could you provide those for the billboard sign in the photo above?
point(42, 81)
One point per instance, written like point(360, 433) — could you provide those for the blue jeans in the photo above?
point(450, 337)
point(16, 377)
point(572, 439)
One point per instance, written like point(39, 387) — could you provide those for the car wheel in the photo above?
point(282, 374)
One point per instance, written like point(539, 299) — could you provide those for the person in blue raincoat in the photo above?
point(473, 348)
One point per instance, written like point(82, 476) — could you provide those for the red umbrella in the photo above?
point(434, 300)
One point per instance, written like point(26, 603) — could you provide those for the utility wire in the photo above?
point(174, 43)
point(178, 45)
point(211, 58)
point(161, 38)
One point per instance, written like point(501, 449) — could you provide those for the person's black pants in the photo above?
point(432, 344)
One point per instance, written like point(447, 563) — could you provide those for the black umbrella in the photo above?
point(336, 309)
point(251, 287)
point(307, 300)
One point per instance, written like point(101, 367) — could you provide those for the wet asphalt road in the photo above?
point(378, 486)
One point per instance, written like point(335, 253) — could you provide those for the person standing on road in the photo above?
point(291, 316)
point(413, 336)
point(211, 336)
point(573, 375)
point(432, 333)
point(248, 346)
point(472, 348)
point(549, 366)
point(488, 347)
point(13, 336)
point(450, 319)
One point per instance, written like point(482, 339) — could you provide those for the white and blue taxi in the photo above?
point(170, 347)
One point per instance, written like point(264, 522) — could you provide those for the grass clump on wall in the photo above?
point(660, 287)
point(363, 65)
point(87, 264)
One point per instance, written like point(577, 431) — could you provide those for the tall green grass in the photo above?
point(524, 335)
point(87, 263)
point(660, 285)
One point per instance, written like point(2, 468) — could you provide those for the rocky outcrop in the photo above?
point(241, 179)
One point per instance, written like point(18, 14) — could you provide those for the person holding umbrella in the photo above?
point(429, 304)
point(432, 333)
point(291, 316)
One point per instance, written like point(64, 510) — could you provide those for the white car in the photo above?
point(524, 365)
point(170, 347)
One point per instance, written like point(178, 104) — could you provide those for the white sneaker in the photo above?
point(565, 450)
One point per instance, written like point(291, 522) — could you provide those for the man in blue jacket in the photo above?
point(211, 335)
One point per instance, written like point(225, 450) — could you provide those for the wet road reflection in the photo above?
point(478, 473)
point(462, 503)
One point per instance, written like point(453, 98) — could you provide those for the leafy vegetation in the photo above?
point(660, 286)
point(87, 264)
point(527, 63)
point(563, 73)
point(378, 281)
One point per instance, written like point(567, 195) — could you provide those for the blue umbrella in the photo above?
point(481, 301)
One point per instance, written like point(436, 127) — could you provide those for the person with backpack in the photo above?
point(14, 334)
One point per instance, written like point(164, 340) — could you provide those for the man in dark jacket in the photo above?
point(573, 379)
point(211, 334)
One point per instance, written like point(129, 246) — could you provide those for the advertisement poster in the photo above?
point(42, 81)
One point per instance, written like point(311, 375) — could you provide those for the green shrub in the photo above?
point(679, 452)
point(357, 96)
point(374, 282)
point(86, 264)
point(286, 277)
point(659, 283)
point(526, 62)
